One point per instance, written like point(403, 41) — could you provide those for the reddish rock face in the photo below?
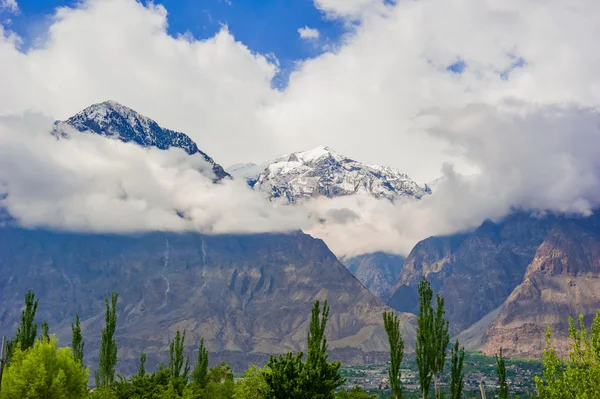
point(562, 281)
point(506, 282)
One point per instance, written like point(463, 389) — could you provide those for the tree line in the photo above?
point(37, 367)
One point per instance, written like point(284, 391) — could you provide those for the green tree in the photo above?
point(45, 331)
point(284, 381)
point(316, 378)
point(392, 328)
point(200, 372)
point(355, 393)
point(44, 371)
point(220, 384)
point(321, 378)
point(252, 385)
point(423, 347)
point(27, 330)
point(441, 338)
point(142, 368)
point(108, 347)
point(577, 375)
point(77, 343)
point(457, 357)
point(501, 373)
point(432, 339)
point(176, 358)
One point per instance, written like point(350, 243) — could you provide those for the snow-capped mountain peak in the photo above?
point(117, 121)
point(323, 172)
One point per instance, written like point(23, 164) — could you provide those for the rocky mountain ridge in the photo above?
point(505, 282)
point(221, 288)
point(113, 120)
point(323, 172)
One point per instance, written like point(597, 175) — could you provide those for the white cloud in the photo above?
point(308, 33)
point(520, 114)
point(92, 183)
point(9, 5)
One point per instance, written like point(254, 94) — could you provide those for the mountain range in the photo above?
point(503, 282)
point(323, 172)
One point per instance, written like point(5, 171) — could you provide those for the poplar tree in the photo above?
point(456, 371)
point(142, 369)
point(176, 360)
point(27, 330)
point(45, 332)
point(108, 347)
point(441, 338)
point(501, 373)
point(392, 328)
point(432, 339)
point(291, 378)
point(321, 377)
point(77, 343)
point(423, 347)
point(200, 371)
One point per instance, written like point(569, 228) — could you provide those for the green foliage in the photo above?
point(220, 383)
point(27, 330)
point(501, 373)
point(457, 356)
point(44, 371)
point(316, 378)
point(432, 338)
point(252, 385)
point(108, 347)
point(200, 372)
point(392, 328)
point(142, 368)
point(176, 365)
point(355, 393)
point(77, 343)
point(45, 331)
point(285, 380)
point(577, 376)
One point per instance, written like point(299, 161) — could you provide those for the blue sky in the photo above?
point(265, 26)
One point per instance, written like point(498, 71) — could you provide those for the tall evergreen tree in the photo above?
point(27, 330)
point(291, 378)
point(432, 339)
point(392, 328)
point(108, 347)
point(441, 338)
point(142, 369)
point(423, 347)
point(456, 371)
point(501, 373)
point(321, 378)
point(45, 331)
point(200, 371)
point(77, 343)
point(176, 359)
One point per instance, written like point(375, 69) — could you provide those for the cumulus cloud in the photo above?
point(531, 158)
point(92, 183)
point(408, 86)
point(308, 33)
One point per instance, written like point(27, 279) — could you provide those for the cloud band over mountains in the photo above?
point(509, 117)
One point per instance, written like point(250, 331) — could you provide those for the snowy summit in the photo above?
point(114, 120)
point(323, 172)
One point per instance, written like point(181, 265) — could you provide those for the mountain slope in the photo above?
point(503, 283)
point(323, 172)
point(378, 271)
point(563, 280)
point(114, 120)
point(219, 287)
